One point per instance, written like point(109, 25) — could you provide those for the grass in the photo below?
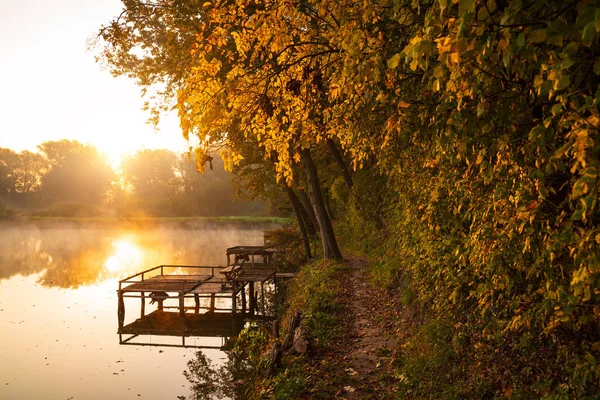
point(315, 291)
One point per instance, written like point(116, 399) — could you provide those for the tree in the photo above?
point(78, 173)
point(20, 176)
point(210, 193)
point(474, 127)
point(222, 58)
point(151, 176)
point(150, 42)
point(250, 83)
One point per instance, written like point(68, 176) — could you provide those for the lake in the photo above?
point(58, 309)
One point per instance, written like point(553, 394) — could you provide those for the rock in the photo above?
point(301, 339)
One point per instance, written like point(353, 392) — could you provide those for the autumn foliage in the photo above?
point(472, 126)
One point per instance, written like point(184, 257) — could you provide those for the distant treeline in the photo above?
point(70, 179)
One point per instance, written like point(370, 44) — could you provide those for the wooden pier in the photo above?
point(169, 286)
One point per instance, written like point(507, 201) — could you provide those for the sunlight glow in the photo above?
point(126, 256)
point(81, 100)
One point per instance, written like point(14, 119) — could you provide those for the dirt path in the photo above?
point(357, 365)
point(370, 336)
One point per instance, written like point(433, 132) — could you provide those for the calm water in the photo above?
point(58, 310)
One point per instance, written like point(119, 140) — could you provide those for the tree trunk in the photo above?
point(328, 205)
point(340, 161)
point(330, 246)
point(298, 214)
point(303, 197)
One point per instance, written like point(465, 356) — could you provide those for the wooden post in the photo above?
point(275, 288)
point(262, 289)
point(197, 301)
point(252, 297)
point(143, 309)
point(181, 305)
point(233, 298)
point(244, 299)
point(212, 303)
point(121, 310)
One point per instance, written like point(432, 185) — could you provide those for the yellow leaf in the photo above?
point(455, 57)
point(393, 62)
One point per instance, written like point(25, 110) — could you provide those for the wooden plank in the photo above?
point(285, 275)
point(161, 287)
point(211, 288)
point(178, 278)
point(255, 275)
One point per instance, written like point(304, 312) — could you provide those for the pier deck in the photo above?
point(166, 283)
point(235, 284)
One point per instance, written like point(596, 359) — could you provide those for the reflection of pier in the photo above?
point(190, 299)
point(207, 325)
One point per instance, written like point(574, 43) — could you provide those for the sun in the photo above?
point(126, 256)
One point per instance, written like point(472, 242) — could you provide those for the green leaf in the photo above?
point(393, 62)
point(589, 34)
point(572, 48)
point(577, 215)
point(597, 67)
point(589, 202)
point(562, 83)
point(545, 88)
point(520, 41)
point(557, 108)
point(537, 132)
point(482, 14)
point(591, 172)
point(538, 36)
point(579, 189)
point(465, 6)
point(562, 149)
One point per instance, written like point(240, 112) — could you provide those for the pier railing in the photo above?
point(144, 274)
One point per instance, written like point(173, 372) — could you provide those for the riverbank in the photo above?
point(137, 223)
point(354, 331)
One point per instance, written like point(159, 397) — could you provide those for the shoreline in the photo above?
point(144, 222)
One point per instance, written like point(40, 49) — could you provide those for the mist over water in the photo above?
point(58, 308)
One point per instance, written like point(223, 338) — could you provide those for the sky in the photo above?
point(51, 88)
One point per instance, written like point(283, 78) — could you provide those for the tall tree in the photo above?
point(223, 93)
point(251, 83)
point(78, 173)
point(151, 176)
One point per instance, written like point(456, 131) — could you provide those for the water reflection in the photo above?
point(193, 330)
point(57, 310)
point(127, 255)
point(231, 378)
point(72, 257)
